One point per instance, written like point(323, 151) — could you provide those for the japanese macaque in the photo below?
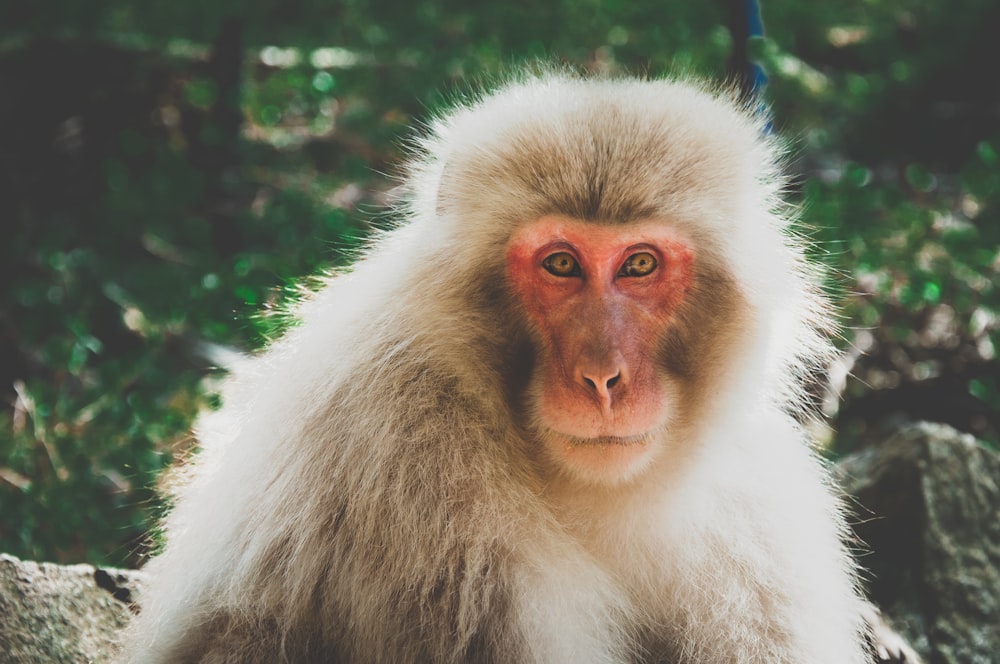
point(547, 418)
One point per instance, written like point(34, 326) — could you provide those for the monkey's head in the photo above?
point(633, 231)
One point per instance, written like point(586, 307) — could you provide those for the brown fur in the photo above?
point(371, 491)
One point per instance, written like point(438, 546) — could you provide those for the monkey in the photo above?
point(551, 415)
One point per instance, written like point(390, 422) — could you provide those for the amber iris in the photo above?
point(562, 264)
point(638, 265)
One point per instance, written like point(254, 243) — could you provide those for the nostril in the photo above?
point(600, 384)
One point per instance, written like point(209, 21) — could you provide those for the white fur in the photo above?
point(369, 493)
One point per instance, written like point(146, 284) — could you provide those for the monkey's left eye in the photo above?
point(562, 264)
point(638, 265)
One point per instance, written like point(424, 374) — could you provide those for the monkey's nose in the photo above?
point(601, 383)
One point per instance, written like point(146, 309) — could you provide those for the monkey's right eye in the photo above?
point(562, 264)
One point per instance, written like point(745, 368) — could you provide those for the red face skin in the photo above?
point(600, 396)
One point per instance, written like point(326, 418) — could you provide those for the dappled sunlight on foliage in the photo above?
point(168, 174)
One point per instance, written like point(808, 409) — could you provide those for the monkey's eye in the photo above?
point(638, 265)
point(562, 264)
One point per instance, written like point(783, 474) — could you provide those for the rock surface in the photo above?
point(61, 613)
point(929, 514)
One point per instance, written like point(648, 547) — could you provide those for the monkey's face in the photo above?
point(600, 299)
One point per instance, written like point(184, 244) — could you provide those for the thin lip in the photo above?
point(608, 441)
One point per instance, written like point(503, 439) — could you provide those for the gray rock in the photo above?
point(61, 613)
point(929, 513)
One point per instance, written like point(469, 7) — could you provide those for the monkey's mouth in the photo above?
point(608, 441)
point(604, 459)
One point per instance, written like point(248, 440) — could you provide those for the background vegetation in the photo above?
point(169, 169)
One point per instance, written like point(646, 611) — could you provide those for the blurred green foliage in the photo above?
point(169, 170)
